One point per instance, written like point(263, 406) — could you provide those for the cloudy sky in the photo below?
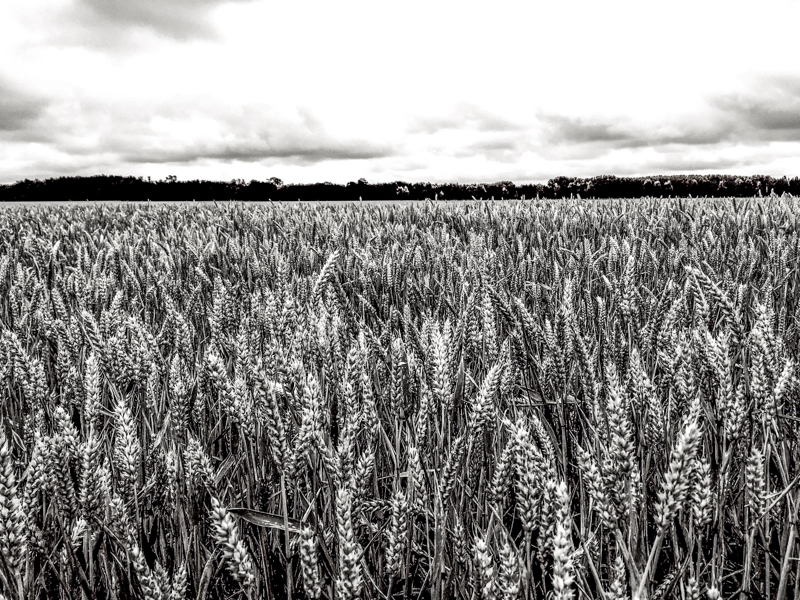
point(309, 90)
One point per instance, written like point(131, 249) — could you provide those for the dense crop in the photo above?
point(527, 399)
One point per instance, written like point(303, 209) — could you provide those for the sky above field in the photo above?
point(414, 91)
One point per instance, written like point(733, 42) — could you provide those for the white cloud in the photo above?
point(313, 91)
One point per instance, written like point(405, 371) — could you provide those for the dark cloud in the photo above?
point(621, 133)
point(178, 19)
point(694, 132)
point(235, 134)
point(463, 117)
point(491, 136)
point(93, 136)
point(18, 109)
point(678, 164)
point(675, 164)
point(768, 110)
point(499, 144)
point(304, 153)
point(499, 148)
point(566, 130)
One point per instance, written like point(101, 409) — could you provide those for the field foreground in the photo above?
point(566, 399)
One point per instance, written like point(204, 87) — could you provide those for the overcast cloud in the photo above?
point(436, 91)
point(178, 19)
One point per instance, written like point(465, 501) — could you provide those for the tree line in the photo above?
point(110, 187)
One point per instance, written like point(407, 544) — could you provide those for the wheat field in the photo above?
point(526, 399)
